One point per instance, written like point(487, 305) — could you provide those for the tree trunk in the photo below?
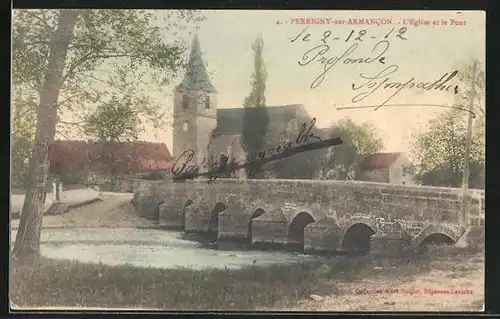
point(30, 226)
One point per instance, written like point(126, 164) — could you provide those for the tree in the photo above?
point(70, 59)
point(114, 121)
point(438, 153)
point(446, 177)
point(342, 162)
point(256, 117)
point(300, 166)
point(462, 98)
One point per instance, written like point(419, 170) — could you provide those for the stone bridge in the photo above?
point(311, 214)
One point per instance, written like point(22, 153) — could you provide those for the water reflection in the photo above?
point(151, 248)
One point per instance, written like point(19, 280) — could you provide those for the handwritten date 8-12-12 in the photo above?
point(352, 36)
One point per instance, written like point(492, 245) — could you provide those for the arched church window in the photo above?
point(185, 126)
point(207, 102)
point(185, 102)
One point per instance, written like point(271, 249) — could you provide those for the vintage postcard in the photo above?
point(247, 160)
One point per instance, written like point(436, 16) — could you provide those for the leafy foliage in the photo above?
point(438, 154)
point(342, 162)
point(257, 96)
point(256, 117)
point(112, 53)
point(441, 150)
point(445, 176)
point(113, 121)
point(21, 151)
point(155, 175)
point(465, 76)
point(71, 59)
point(300, 166)
point(23, 134)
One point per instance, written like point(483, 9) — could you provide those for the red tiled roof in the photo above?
point(128, 157)
point(378, 161)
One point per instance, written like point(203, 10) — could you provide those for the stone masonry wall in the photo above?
point(393, 211)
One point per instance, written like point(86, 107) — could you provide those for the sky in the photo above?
point(427, 53)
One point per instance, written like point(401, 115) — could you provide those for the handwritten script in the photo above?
point(321, 54)
point(184, 168)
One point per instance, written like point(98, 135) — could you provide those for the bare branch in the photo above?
point(77, 125)
point(24, 112)
point(121, 89)
point(44, 21)
point(62, 135)
point(105, 56)
point(76, 64)
point(26, 82)
point(72, 123)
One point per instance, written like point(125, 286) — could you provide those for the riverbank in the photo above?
point(72, 198)
point(333, 284)
point(113, 210)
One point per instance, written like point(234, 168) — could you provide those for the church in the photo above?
point(199, 124)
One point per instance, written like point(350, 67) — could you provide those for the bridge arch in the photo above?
point(434, 235)
point(300, 220)
point(357, 238)
point(292, 212)
point(356, 235)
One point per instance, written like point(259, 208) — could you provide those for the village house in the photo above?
point(76, 161)
point(386, 168)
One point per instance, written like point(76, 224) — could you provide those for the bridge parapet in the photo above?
point(392, 211)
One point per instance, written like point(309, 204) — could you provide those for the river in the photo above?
point(150, 248)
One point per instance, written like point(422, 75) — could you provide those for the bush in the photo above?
point(475, 238)
point(155, 175)
point(20, 154)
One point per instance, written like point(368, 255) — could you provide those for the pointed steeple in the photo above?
point(196, 77)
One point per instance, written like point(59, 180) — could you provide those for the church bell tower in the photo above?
point(195, 108)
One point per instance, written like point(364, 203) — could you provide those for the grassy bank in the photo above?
point(75, 284)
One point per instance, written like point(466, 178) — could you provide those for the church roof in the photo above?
point(196, 77)
point(230, 121)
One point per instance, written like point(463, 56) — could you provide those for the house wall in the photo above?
point(397, 174)
point(393, 174)
point(230, 146)
point(376, 175)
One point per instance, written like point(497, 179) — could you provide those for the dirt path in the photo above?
point(407, 288)
point(114, 210)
